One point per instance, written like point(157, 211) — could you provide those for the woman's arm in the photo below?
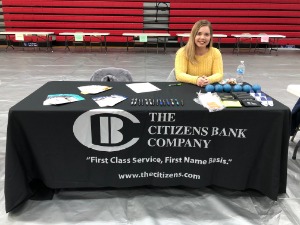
point(181, 65)
point(217, 67)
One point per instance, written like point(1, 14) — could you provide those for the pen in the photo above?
point(182, 102)
point(177, 84)
point(168, 103)
point(160, 102)
point(132, 101)
point(177, 103)
point(172, 102)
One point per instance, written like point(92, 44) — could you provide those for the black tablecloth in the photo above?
point(80, 145)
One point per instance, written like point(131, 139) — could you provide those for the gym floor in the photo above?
point(22, 72)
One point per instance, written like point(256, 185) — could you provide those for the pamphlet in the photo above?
point(93, 89)
point(58, 99)
point(104, 101)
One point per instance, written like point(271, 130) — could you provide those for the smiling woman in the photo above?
point(198, 62)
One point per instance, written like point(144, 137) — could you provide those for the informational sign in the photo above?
point(78, 37)
point(19, 37)
point(143, 38)
point(264, 38)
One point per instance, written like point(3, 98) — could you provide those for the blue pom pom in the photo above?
point(256, 87)
point(247, 88)
point(209, 88)
point(227, 87)
point(237, 88)
point(218, 88)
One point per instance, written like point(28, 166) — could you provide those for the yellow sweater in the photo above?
point(209, 65)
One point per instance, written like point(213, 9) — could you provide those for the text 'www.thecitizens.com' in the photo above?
point(161, 175)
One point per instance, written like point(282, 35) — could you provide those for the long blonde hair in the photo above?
point(190, 48)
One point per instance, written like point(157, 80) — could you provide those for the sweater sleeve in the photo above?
point(181, 68)
point(217, 67)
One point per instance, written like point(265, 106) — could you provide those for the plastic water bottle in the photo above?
point(240, 72)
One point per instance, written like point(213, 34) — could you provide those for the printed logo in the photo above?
point(105, 129)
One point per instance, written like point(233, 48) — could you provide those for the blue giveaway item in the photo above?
point(227, 88)
point(237, 88)
point(256, 87)
point(209, 88)
point(247, 88)
point(218, 88)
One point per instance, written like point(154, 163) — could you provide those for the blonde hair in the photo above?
point(190, 48)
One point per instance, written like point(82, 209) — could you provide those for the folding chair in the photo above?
point(112, 74)
point(262, 43)
point(95, 39)
point(245, 41)
point(172, 76)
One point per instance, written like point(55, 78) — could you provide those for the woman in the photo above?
point(199, 62)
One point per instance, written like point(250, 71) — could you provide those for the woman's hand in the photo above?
point(202, 81)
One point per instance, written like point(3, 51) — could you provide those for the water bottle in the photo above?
point(240, 72)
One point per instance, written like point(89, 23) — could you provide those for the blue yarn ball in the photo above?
point(256, 87)
point(209, 88)
point(246, 88)
point(218, 88)
point(237, 88)
point(227, 87)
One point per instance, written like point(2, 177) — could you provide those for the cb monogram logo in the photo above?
point(104, 129)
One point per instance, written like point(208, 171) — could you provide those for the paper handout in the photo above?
point(93, 89)
point(142, 87)
point(104, 101)
point(58, 99)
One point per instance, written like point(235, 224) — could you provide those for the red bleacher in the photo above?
point(116, 17)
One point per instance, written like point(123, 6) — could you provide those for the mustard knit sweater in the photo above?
point(209, 65)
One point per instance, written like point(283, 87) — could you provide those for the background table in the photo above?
point(91, 35)
point(80, 145)
point(149, 35)
point(274, 37)
point(40, 34)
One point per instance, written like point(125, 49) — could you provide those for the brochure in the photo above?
point(58, 99)
point(104, 101)
point(93, 89)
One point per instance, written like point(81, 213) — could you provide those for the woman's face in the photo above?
point(202, 37)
